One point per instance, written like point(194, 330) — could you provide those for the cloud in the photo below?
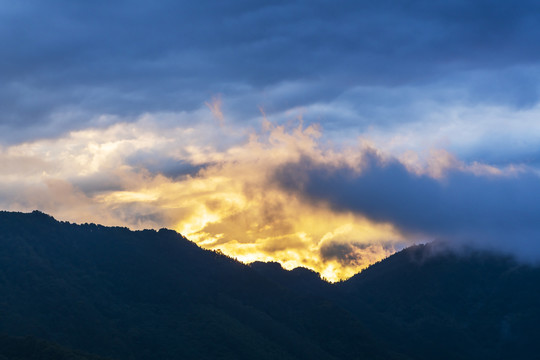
point(215, 107)
point(122, 128)
point(280, 193)
point(219, 194)
point(474, 205)
point(70, 63)
point(351, 253)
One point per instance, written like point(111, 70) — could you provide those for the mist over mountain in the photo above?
point(485, 208)
point(125, 294)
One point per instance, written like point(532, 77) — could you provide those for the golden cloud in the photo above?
point(228, 202)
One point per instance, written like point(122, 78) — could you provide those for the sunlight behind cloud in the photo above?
point(227, 202)
point(219, 190)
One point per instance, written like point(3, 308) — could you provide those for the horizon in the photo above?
point(329, 281)
point(436, 247)
point(327, 135)
point(121, 294)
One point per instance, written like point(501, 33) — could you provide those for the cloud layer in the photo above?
point(137, 175)
point(315, 133)
point(277, 193)
point(474, 205)
point(352, 65)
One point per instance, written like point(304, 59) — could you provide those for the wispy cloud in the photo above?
point(215, 108)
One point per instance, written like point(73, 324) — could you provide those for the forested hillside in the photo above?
point(148, 294)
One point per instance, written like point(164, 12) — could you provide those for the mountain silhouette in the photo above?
point(124, 294)
point(153, 294)
point(29, 348)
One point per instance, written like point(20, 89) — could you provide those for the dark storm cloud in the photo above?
point(353, 253)
point(489, 210)
point(129, 57)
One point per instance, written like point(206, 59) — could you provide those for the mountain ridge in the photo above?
point(140, 294)
point(144, 294)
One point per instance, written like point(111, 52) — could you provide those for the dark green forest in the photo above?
point(70, 290)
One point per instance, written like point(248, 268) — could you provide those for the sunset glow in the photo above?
point(226, 199)
point(274, 132)
point(232, 204)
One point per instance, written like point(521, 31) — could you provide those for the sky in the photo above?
point(324, 134)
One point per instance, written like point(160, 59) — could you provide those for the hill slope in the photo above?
point(148, 294)
point(29, 348)
point(436, 304)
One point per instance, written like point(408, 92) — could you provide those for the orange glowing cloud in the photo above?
point(215, 108)
point(226, 200)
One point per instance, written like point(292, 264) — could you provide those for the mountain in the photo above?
point(146, 294)
point(432, 303)
point(299, 280)
point(153, 294)
point(29, 348)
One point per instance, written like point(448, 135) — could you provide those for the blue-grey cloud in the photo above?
point(495, 211)
point(156, 163)
point(61, 58)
